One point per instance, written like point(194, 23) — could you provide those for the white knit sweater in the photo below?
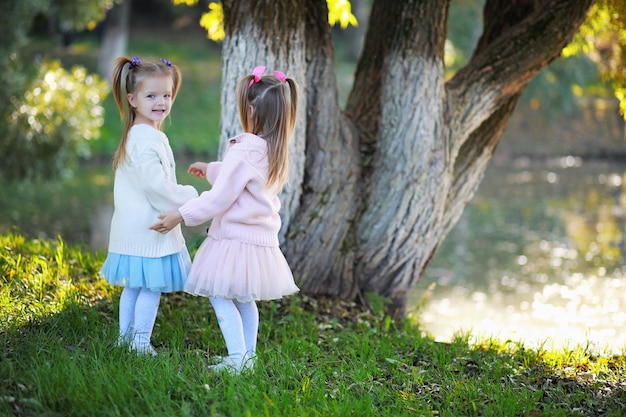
point(145, 186)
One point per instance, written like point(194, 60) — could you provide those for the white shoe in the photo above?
point(147, 350)
point(122, 342)
point(233, 366)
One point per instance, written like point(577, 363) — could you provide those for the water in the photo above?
point(537, 257)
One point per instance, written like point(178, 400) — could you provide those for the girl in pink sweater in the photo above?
point(240, 261)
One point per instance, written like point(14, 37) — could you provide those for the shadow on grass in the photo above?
point(317, 357)
point(68, 364)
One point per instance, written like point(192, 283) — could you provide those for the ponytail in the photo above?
point(274, 103)
point(126, 114)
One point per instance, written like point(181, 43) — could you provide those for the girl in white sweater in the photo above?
point(141, 260)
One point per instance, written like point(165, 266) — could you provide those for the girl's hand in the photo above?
point(198, 169)
point(167, 222)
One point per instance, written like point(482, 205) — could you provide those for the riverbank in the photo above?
point(593, 130)
point(537, 256)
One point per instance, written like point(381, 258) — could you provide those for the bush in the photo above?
point(46, 113)
point(49, 125)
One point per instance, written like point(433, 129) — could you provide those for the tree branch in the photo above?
point(510, 53)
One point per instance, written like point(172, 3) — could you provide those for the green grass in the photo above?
point(318, 357)
point(60, 206)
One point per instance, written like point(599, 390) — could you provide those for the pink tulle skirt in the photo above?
point(239, 271)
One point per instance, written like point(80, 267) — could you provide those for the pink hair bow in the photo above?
point(257, 72)
point(281, 76)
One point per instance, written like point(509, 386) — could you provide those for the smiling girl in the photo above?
point(146, 263)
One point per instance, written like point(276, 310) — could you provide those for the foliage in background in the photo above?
point(339, 12)
point(213, 22)
point(58, 324)
point(15, 20)
point(45, 111)
point(464, 30)
point(567, 82)
point(49, 125)
point(77, 15)
point(76, 207)
point(603, 40)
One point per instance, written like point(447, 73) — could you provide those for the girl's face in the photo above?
point(152, 100)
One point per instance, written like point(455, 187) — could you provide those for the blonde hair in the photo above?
point(137, 72)
point(268, 108)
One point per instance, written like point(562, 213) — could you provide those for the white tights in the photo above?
point(239, 323)
point(138, 311)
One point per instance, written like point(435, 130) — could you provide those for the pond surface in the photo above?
point(537, 256)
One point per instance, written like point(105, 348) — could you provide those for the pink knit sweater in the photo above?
point(241, 205)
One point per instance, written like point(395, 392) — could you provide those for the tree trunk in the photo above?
point(375, 189)
point(114, 37)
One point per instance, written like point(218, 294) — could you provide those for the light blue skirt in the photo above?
point(165, 274)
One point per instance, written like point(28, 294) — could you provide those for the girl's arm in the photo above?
point(212, 171)
point(202, 169)
point(167, 222)
point(198, 169)
point(234, 174)
point(233, 177)
point(171, 219)
point(163, 193)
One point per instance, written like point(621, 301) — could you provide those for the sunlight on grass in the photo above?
point(58, 326)
point(41, 278)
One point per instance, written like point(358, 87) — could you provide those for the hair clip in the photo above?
point(257, 72)
point(166, 62)
point(134, 62)
point(281, 76)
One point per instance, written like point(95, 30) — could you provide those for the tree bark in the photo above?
point(375, 189)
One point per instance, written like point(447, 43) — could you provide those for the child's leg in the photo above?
point(250, 320)
point(127, 313)
point(145, 315)
point(229, 320)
